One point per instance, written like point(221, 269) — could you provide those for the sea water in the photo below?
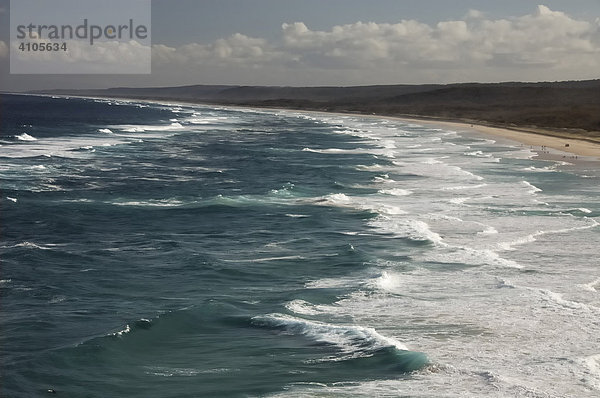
point(162, 250)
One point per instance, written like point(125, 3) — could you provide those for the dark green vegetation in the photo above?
point(559, 108)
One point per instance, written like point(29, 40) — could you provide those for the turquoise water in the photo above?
point(190, 251)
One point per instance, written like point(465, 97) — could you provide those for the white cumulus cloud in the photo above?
point(233, 50)
point(544, 44)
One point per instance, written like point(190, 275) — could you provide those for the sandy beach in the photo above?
point(544, 143)
point(547, 146)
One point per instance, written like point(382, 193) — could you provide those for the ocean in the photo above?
point(172, 250)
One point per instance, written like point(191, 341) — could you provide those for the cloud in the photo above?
point(542, 37)
point(474, 14)
point(237, 48)
point(557, 45)
point(103, 57)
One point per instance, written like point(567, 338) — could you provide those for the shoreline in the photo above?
point(548, 146)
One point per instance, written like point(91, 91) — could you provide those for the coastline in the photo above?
point(547, 145)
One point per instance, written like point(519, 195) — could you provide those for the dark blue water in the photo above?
point(168, 250)
point(152, 251)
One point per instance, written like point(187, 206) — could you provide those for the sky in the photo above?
point(351, 42)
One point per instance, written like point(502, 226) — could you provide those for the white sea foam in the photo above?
point(489, 230)
point(150, 203)
point(303, 307)
point(591, 373)
point(589, 224)
point(546, 169)
point(464, 187)
point(26, 137)
point(267, 259)
point(431, 161)
point(384, 178)
point(479, 154)
point(121, 332)
point(503, 283)
point(445, 217)
point(350, 151)
point(460, 201)
point(143, 128)
point(471, 256)
point(206, 120)
point(557, 298)
point(105, 131)
point(484, 142)
point(336, 199)
point(335, 283)
point(31, 245)
point(62, 146)
point(374, 167)
point(416, 230)
point(389, 281)
point(383, 209)
point(396, 192)
point(350, 339)
point(14, 200)
point(57, 299)
point(533, 188)
point(592, 286)
point(183, 372)
point(520, 241)
point(435, 168)
point(354, 132)
point(134, 129)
